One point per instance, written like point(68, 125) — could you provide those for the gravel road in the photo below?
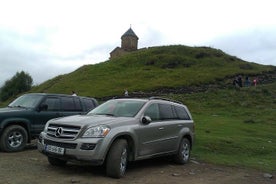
point(31, 167)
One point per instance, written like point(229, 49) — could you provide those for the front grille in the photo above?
point(63, 131)
point(60, 144)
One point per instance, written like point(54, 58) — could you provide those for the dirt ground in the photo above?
point(31, 167)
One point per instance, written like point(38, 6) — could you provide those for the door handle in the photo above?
point(161, 128)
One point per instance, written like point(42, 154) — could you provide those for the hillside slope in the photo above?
point(152, 69)
point(235, 127)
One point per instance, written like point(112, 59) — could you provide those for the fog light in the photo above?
point(88, 146)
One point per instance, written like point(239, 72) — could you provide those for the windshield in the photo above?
point(26, 101)
point(118, 108)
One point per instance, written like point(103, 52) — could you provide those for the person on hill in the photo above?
point(236, 82)
point(126, 92)
point(240, 81)
point(255, 82)
point(247, 82)
point(74, 93)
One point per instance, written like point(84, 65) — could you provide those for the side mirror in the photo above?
point(146, 120)
point(43, 107)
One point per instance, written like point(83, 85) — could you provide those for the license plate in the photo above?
point(54, 149)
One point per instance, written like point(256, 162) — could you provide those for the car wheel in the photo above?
point(117, 157)
point(56, 162)
point(14, 138)
point(183, 154)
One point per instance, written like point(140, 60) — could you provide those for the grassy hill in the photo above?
point(233, 126)
point(152, 69)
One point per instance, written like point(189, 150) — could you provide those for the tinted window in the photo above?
point(153, 112)
point(166, 112)
point(77, 104)
point(182, 113)
point(52, 103)
point(88, 103)
point(67, 104)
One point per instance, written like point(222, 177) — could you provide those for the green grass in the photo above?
point(152, 69)
point(235, 127)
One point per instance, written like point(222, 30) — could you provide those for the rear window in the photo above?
point(70, 104)
point(88, 103)
point(182, 113)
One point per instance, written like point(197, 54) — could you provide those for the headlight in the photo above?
point(99, 131)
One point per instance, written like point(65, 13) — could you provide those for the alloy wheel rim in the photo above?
point(185, 151)
point(123, 162)
point(15, 139)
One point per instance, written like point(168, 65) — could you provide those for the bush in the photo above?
point(19, 83)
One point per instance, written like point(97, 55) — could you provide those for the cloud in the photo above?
point(253, 45)
point(49, 38)
point(33, 53)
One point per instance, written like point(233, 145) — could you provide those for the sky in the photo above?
point(46, 38)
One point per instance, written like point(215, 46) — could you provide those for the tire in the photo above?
point(56, 162)
point(184, 151)
point(117, 157)
point(13, 139)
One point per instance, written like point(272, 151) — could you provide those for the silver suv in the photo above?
point(118, 131)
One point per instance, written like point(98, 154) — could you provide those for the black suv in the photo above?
point(27, 115)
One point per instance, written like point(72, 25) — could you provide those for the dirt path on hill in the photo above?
point(31, 167)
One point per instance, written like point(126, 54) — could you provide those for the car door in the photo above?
point(160, 135)
point(48, 109)
point(170, 126)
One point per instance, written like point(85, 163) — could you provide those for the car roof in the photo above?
point(56, 94)
point(150, 99)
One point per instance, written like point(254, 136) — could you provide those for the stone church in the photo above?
point(129, 43)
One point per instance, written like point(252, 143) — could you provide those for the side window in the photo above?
point(182, 113)
point(52, 103)
point(88, 103)
point(153, 112)
point(67, 104)
point(166, 112)
point(77, 104)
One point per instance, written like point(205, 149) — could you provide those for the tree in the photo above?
point(19, 83)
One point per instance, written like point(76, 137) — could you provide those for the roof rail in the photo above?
point(161, 98)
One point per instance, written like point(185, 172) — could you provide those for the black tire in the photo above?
point(14, 138)
point(56, 162)
point(184, 151)
point(117, 157)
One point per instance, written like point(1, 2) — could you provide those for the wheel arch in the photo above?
point(130, 142)
point(189, 137)
point(186, 133)
point(20, 122)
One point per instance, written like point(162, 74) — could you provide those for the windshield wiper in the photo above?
point(20, 106)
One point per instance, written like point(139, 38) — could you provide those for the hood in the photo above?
point(12, 109)
point(88, 120)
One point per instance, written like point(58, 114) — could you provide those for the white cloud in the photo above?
point(257, 45)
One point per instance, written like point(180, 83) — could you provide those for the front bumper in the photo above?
point(88, 150)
